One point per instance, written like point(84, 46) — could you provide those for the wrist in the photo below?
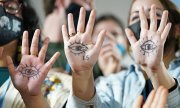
point(37, 101)
point(159, 77)
point(83, 85)
point(27, 97)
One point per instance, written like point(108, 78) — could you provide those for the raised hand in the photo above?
point(148, 50)
point(110, 58)
point(31, 72)
point(80, 51)
point(156, 99)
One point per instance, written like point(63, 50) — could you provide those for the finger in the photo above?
point(150, 99)
point(157, 97)
point(10, 65)
point(105, 50)
point(25, 44)
point(138, 102)
point(163, 101)
point(143, 19)
point(34, 44)
point(100, 40)
point(49, 64)
point(166, 32)
point(163, 21)
point(1, 51)
point(42, 53)
point(110, 36)
point(130, 36)
point(91, 22)
point(71, 25)
point(107, 55)
point(153, 17)
point(65, 33)
point(81, 22)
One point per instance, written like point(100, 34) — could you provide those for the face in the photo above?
point(134, 13)
point(11, 24)
point(113, 28)
point(12, 6)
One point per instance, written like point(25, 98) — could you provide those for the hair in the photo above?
point(174, 16)
point(49, 6)
point(30, 22)
point(109, 17)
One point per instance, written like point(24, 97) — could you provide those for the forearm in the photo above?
point(83, 85)
point(35, 101)
point(160, 77)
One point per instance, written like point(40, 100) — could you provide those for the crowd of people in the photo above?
point(79, 60)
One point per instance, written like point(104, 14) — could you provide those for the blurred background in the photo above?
point(117, 7)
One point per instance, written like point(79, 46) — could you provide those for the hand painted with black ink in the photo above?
point(148, 50)
point(80, 51)
point(31, 72)
point(156, 99)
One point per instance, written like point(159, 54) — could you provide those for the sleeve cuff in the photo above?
point(174, 97)
point(174, 87)
point(75, 102)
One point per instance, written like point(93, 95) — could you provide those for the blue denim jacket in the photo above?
point(120, 90)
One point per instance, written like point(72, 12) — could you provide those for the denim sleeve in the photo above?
point(101, 99)
point(174, 96)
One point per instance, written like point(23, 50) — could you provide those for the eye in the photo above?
point(78, 48)
point(29, 71)
point(148, 46)
point(134, 18)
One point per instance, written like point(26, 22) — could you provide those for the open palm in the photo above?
point(80, 51)
point(31, 72)
point(148, 50)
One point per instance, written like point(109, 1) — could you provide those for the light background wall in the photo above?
point(118, 8)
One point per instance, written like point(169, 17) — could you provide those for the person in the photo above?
point(153, 52)
point(113, 56)
point(29, 75)
point(56, 12)
point(14, 19)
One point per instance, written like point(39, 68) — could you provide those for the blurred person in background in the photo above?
point(113, 56)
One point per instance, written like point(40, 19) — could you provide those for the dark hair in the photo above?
point(109, 17)
point(174, 14)
point(30, 22)
point(49, 6)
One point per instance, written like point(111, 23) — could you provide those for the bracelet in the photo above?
point(174, 87)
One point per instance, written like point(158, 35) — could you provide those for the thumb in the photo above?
point(1, 51)
point(11, 67)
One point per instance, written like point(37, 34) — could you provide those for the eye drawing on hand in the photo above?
point(28, 71)
point(78, 48)
point(148, 47)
